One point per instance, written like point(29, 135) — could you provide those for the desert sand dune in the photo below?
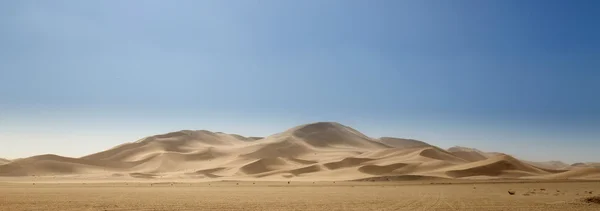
point(439, 154)
point(263, 165)
point(557, 165)
point(574, 173)
point(4, 161)
point(55, 165)
point(402, 142)
point(277, 147)
point(320, 152)
point(47, 164)
point(587, 164)
point(346, 162)
point(468, 154)
point(474, 151)
point(182, 141)
point(381, 169)
point(503, 166)
point(334, 135)
point(473, 155)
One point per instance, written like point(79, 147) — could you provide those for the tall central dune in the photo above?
point(402, 143)
point(333, 135)
point(469, 153)
point(317, 151)
point(322, 140)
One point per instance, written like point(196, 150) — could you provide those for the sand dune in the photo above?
point(468, 154)
point(4, 161)
point(503, 166)
point(587, 164)
point(402, 143)
point(473, 151)
point(318, 151)
point(333, 135)
point(181, 142)
point(381, 169)
point(47, 164)
point(577, 172)
point(473, 155)
point(263, 165)
point(558, 165)
point(439, 154)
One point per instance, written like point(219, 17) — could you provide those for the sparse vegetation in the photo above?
point(593, 199)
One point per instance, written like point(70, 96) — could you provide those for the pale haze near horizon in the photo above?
point(519, 78)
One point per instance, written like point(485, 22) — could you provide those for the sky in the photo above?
point(520, 77)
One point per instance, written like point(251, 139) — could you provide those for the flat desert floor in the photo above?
point(248, 195)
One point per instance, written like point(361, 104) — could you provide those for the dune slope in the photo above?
point(317, 151)
point(4, 161)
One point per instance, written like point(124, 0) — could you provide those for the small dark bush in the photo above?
point(593, 199)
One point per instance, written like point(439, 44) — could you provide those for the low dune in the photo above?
point(574, 173)
point(502, 166)
point(381, 169)
point(469, 155)
point(557, 165)
point(322, 151)
point(263, 165)
point(587, 164)
point(346, 162)
point(4, 161)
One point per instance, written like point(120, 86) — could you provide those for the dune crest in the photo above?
point(402, 142)
point(317, 151)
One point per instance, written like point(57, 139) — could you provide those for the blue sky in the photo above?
point(521, 77)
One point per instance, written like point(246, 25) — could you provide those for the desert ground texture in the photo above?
point(317, 166)
point(247, 195)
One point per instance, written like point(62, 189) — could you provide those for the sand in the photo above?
point(4, 161)
point(550, 164)
point(418, 195)
point(319, 166)
point(323, 151)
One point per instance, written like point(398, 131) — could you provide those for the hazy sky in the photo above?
point(521, 77)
